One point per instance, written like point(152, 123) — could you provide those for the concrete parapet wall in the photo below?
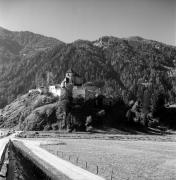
point(30, 162)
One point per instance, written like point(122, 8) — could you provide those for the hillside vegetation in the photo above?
point(130, 69)
point(123, 64)
point(16, 51)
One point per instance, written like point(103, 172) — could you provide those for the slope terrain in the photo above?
point(132, 68)
point(16, 51)
point(123, 64)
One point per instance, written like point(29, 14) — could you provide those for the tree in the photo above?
point(146, 105)
point(158, 107)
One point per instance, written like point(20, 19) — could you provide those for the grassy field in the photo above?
point(133, 157)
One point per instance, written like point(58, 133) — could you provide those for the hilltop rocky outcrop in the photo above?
point(37, 111)
point(15, 113)
point(31, 112)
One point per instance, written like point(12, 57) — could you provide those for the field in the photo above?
point(133, 157)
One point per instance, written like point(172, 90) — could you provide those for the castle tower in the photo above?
point(70, 74)
point(72, 79)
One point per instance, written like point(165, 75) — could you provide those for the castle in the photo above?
point(72, 85)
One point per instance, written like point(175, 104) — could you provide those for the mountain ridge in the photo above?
point(122, 63)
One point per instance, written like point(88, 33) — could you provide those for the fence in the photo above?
point(109, 174)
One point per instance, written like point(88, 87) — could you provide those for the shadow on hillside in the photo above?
point(133, 130)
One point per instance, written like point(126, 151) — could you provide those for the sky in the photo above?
point(69, 20)
point(175, 21)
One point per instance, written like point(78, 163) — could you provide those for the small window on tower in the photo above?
point(67, 80)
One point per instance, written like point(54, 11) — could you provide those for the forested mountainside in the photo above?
point(126, 65)
point(16, 50)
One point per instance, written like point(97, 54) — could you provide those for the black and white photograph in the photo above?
point(87, 89)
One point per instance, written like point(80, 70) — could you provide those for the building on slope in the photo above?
point(71, 86)
point(55, 90)
point(72, 78)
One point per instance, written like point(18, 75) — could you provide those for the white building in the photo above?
point(55, 90)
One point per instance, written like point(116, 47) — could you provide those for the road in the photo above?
point(4, 141)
